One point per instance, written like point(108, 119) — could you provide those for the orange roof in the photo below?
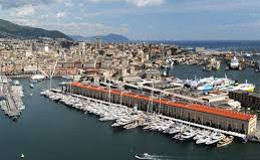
point(194, 107)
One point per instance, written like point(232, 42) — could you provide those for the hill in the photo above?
point(105, 38)
point(9, 29)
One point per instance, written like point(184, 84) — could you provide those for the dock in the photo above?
point(9, 103)
point(12, 109)
point(235, 134)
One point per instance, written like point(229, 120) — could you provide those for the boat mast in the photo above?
point(151, 109)
point(50, 81)
point(160, 105)
point(109, 93)
point(70, 87)
point(121, 94)
point(52, 73)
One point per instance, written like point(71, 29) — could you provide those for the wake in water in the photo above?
point(147, 156)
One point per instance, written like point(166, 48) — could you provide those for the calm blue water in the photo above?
point(238, 45)
point(50, 131)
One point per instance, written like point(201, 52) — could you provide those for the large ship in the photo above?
point(234, 63)
point(37, 77)
point(248, 87)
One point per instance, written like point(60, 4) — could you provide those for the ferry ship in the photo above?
point(37, 77)
point(245, 87)
point(234, 64)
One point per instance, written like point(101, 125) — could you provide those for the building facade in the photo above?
point(205, 115)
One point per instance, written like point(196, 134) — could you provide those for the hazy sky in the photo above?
point(141, 19)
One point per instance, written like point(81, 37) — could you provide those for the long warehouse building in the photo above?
point(205, 115)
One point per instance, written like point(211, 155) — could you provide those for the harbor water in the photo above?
point(48, 130)
point(193, 71)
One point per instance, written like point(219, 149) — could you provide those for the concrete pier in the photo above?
point(12, 109)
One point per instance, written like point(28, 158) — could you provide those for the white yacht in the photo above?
point(201, 134)
point(132, 125)
point(203, 139)
point(214, 138)
point(188, 134)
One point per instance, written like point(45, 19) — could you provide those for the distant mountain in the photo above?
point(78, 38)
point(9, 29)
point(105, 38)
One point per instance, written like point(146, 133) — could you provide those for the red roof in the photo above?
point(194, 107)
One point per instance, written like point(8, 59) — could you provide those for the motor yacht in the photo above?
point(203, 139)
point(214, 138)
point(143, 156)
point(132, 125)
point(226, 141)
point(188, 134)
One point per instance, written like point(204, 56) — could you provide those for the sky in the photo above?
point(141, 19)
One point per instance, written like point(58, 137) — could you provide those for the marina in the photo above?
point(129, 118)
point(84, 131)
point(129, 80)
point(198, 113)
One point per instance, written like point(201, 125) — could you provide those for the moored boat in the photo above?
point(226, 141)
point(234, 63)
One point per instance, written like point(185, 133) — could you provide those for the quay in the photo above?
point(221, 119)
point(239, 135)
point(12, 109)
point(10, 104)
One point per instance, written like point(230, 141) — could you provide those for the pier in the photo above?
point(11, 102)
point(12, 110)
point(235, 134)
